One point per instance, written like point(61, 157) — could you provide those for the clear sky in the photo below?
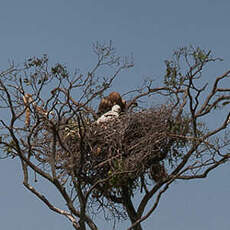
point(150, 30)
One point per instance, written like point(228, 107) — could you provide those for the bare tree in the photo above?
point(101, 168)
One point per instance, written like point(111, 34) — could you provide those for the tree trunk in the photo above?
point(127, 203)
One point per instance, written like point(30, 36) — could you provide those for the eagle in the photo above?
point(108, 102)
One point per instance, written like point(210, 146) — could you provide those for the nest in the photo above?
point(119, 152)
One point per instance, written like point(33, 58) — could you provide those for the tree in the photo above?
point(101, 168)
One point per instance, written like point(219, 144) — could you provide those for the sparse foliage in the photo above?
point(101, 168)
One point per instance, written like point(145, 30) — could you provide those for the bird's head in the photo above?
point(116, 108)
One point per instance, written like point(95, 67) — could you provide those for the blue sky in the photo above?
point(150, 30)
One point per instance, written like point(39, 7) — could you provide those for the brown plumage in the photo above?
point(116, 99)
point(108, 102)
point(27, 98)
point(40, 110)
point(104, 106)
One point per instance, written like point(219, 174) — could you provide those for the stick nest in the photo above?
point(119, 152)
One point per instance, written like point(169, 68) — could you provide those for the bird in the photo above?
point(108, 102)
point(104, 106)
point(116, 99)
point(110, 115)
point(39, 110)
point(27, 98)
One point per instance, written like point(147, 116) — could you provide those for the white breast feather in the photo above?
point(110, 115)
